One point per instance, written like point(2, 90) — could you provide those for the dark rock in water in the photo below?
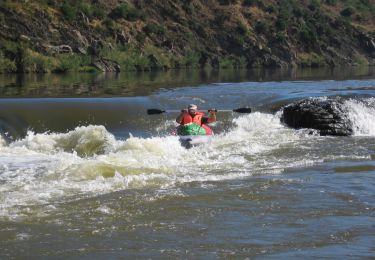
point(328, 116)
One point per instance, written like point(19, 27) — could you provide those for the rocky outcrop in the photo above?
point(58, 49)
point(325, 115)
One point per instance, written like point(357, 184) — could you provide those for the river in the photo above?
point(85, 173)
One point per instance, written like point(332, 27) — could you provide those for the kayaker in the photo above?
point(193, 122)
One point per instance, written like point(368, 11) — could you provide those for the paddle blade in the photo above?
point(154, 111)
point(243, 110)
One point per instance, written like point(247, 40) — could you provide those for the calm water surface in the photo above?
point(85, 173)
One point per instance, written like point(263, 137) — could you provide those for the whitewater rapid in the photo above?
point(361, 114)
point(42, 170)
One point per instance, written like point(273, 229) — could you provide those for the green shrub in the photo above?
point(88, 69)
point(7, 65)
point(308, 34)
point(280, 37)
point(281, 24)
point(232, 62)
point(35, 62)
point(226, 63)
point(241, 62)
point(270, 9)
point(260, 27)
point(222, 18)
point(140, 37)
point(86, 9)
point(126, 12)
point(191, 58)
point(131, 58)
point(158, 57)
point(69, 12)
point(348, 11)
point(314, 5)
point(70, 9)
point(98, 12)
point(241, 28)
point(311, 59)
point(298, 12)
point(119, 11)
point(331, 2)
point(69, 62)
point(110, 24)
point(360, 59)
point(153, 28)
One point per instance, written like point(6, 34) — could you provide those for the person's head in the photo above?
point(192, 109)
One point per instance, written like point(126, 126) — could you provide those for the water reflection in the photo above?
point(144, 83)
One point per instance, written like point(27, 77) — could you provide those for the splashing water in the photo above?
point(43, 169)
point(361, 113)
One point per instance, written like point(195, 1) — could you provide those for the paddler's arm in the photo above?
point(211, 117)
point(181, 115)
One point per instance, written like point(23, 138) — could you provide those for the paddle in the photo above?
point(155, 111)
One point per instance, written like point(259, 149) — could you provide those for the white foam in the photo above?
point(43, 169)
point(83, 140)
point(362, 116)
point(2, 141)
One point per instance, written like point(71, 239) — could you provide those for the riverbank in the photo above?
point(59, 36)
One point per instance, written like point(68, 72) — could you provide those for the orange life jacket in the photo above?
point(187, 118)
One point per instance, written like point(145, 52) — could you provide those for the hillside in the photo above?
point(115, 35)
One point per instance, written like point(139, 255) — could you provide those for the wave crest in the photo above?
point(84, 141)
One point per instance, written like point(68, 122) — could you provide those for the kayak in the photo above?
point(189, 141)
point(192, 135)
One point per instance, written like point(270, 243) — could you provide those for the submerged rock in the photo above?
point(328, 116)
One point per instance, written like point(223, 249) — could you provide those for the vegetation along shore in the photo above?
point(140, 35)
